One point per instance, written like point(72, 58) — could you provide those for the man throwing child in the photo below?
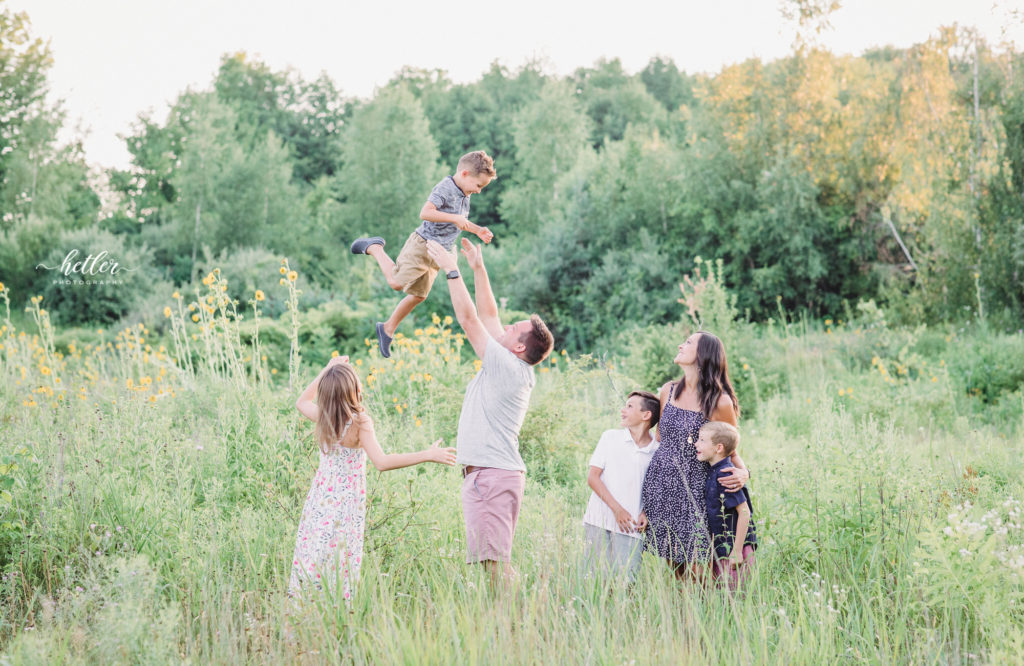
point(493, 410)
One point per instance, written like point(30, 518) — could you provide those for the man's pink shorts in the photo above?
point(491, 499)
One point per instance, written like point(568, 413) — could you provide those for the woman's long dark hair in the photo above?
point(712, 376)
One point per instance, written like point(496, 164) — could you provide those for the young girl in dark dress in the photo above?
point(673, 490)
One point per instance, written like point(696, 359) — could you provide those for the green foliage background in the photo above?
point(802, 174)
point(148, 503)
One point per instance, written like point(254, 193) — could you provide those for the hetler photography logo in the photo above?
point(94, 269)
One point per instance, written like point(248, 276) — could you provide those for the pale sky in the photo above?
point(115, 59)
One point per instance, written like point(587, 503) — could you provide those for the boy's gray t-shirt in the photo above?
point(493, 410)
point(448, 198)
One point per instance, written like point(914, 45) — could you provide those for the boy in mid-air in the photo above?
point(729, 515)
point(443, 216)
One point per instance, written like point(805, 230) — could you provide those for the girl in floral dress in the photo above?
point(329, 544)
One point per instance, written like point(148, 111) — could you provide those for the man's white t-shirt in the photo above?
point(494, 409)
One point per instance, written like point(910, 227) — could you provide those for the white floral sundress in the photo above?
point(329, 545)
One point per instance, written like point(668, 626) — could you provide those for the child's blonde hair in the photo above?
point(339, 398)
point(726, 434)
point(477, 163)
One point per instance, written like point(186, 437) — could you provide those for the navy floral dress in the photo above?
point(673, 490)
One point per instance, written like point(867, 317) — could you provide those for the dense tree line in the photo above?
point(896, 175)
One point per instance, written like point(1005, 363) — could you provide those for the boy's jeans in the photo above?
point(610, 552)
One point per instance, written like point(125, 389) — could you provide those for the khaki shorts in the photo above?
point(414, 269)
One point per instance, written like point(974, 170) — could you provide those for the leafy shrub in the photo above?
point(246, 269)
point(645, 353)
point(104, 301)
point(988, 365)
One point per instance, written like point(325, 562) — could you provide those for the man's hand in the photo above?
point(473, 253)
point(443, 456)
point(484, 234)
point(736, 557)
point(445, 260)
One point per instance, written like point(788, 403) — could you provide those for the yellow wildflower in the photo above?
point(283, 269)
point(260, 295)
point(292, 276)
point(167, 312)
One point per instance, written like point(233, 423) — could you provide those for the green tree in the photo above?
point(667, 84)
point(307, 116)
point(613, 100)
point(44, 187)
point(389, 164)
point(551, 136)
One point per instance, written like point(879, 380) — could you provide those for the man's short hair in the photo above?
point(648, 403)
point(726, 434)
point(477, 163)
point(538, 340)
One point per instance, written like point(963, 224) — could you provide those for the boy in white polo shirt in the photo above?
point(612, 524)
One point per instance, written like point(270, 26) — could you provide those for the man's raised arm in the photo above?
point(465, 311)
point(486, 307)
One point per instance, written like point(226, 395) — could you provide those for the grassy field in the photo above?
point(149, 504)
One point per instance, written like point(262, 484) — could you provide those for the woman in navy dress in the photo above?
point(673, 490)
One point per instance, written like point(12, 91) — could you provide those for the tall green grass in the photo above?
point(150, 516)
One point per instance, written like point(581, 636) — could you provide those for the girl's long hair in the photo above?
point(712, 376)
point(339, 399)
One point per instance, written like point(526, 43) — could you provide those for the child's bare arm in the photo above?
point(622, 517)
point(430, 213)
point(742, 525)
point(305, 403)
point(387, 461)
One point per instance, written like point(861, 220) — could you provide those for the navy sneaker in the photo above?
point(383, 341)
point(360, 245)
